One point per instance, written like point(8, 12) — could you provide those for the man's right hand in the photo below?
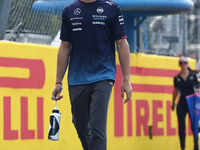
point(56, 92)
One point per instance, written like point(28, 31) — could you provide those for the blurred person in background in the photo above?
point(192, 55)
point(184, 84)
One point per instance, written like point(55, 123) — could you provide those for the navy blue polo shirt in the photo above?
point(92, 29)
point(185, 87)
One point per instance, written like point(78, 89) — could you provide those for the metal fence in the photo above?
point(162, 35)
point(166, 35)
point(24, 25)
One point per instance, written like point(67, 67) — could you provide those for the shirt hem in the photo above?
point(89, 82)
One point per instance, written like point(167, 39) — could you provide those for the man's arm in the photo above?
point(62, 63)
point(124, 58)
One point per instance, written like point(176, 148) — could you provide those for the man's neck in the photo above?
point(88, 1)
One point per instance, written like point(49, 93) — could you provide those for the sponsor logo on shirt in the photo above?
point(77, 11)
point(121, 20)
point(178, 79)
point(77, 29)
point(191, 78)
point(99, 23)
point(76, 18)
point(99, 17)
point(76, 23)
point(100, 10)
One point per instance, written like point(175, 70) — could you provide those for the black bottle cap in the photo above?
point(55, 110)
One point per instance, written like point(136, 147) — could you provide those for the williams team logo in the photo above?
point(77, 11)
point(100, 10)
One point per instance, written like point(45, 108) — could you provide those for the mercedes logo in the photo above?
point(77, 11)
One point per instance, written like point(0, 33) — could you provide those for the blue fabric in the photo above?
point(92, 29)
point(193, 102)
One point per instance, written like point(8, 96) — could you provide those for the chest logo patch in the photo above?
point(178, 79)
point(77, 11)
point(100, 10)
point(191, 78)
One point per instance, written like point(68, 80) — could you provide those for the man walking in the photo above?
point(89, 31)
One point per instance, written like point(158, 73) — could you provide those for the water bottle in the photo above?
point(54, 124)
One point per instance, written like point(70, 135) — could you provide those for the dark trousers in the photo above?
point(89, 106)
point(182, 110)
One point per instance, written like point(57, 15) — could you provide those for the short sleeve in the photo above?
point(118, 25)
point(65, 34)
point(175, 82)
